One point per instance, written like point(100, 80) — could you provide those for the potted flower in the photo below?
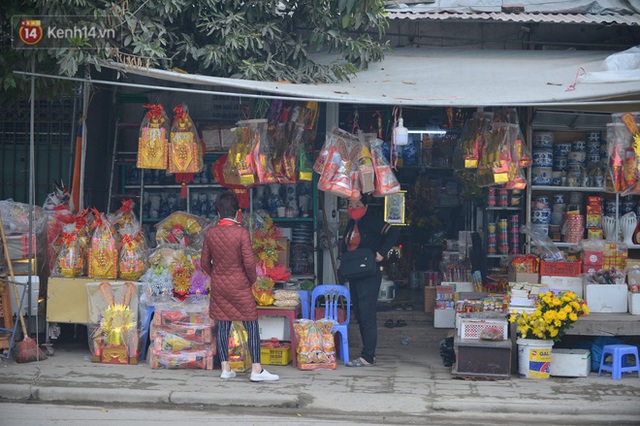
point(553, 316)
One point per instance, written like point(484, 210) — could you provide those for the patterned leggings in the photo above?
point(253, 337)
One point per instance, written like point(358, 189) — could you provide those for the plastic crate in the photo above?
point(560, 269)
point(276, 356)
point(471, 328)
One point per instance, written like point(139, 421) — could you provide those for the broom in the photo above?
point(27, 350)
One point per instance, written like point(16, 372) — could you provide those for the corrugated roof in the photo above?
point(522, 17)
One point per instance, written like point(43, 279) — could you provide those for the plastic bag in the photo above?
point(262, 151)
point(15, 217)
point(316, 345)
point(543, 245)
point(309, 120)
point(288, 137)
point(181, 228)
point(336, 176)
point(153, 142)
point(70, 258)
point(239, 357)
point(472, 139)
point(185, 153)
point(124, 216)
point(103, 250)
point(115, 339)
point(132, 257)
point(386, 182)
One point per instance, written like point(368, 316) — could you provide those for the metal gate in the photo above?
point(54, 137)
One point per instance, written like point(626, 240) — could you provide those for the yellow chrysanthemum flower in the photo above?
point(573, 316)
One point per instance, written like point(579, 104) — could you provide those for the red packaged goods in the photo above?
point(192, 359)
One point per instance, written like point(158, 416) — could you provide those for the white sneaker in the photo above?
point(227, 374)
point(265, 376)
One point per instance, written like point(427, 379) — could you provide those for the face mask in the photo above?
point(357, 213)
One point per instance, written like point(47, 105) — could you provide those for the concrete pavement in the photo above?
point(408, 385)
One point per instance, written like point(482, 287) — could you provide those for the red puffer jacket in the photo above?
point(228, 258)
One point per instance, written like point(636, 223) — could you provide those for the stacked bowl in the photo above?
point(560, 162)
point(542, 156)
point(541, 214)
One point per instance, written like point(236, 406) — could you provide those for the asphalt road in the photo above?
point(40, 414)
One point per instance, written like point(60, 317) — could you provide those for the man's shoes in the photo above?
point(228, 374)
point(264, 376)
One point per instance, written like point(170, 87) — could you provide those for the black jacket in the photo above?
point(375, 234)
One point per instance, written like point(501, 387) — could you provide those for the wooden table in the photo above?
point(291, 314)
point(606, 324)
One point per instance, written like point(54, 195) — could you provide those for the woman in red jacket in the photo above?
point(228, 258)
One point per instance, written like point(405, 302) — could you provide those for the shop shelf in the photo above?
point(566, 188)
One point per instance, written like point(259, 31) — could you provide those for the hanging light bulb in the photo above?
point(400, 134)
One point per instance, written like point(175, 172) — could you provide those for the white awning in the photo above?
point(442, 77)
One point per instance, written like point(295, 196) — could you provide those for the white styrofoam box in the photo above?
point(634, 303)
point(606, 297)
point(271, 327)
point(286, 232)
point(444, 318)
point(573, 284)
point(459, 286)
point(570, 362)
point(35, 294)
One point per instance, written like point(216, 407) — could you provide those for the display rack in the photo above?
point(566, 126)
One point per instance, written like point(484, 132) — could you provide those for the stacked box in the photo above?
point(444, 315)
point(182, 339)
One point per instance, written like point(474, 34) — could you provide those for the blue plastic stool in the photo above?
point(144, 333)
point(618, 360)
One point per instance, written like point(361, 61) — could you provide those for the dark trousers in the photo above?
point(223, 329)
point(364, 296)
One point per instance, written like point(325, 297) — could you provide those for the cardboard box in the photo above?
point(459, 286)
point(606, 297)
point(522, 277)
point(271, 327)
point(633, 278)
point(592, 269)
point(633, 300)
point(284, 255)
point(570, 362)
point(592, 257)
point(429, 299)
point(18, 246)
point(444, 318)
point(573, 284)
point(217, 138)
point(67, 300)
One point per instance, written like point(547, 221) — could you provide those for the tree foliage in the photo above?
point(269, 40)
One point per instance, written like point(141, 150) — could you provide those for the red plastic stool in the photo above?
point(619, 364)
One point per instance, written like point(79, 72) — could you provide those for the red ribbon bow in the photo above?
point(155, 111)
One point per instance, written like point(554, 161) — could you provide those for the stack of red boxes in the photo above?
point(594, 217)
point(593, 259)
point(182, 339)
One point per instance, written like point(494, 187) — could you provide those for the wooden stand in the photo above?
point(292, 314)
point(6, 314)
point(482, 359)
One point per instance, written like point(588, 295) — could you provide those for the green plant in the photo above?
point(253, 39)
